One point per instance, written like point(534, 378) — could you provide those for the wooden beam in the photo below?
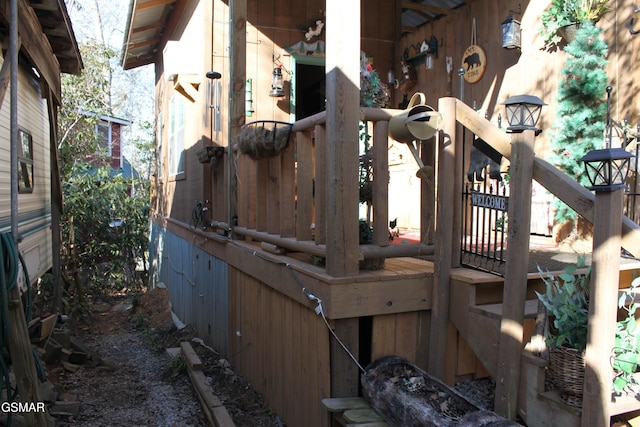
point(443, 237)
point(35, 45)
point(344, 372)
point(343, 108)
point(152, 3)
point(381, 183)
point(515, 289)
point(425, 8)
point(603, 298)
point(237, 114)
point(5, 77)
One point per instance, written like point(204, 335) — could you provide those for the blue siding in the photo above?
point(197, 283)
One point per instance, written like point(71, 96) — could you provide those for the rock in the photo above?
point(65, 409)
point(47, 391)
point(70, 367)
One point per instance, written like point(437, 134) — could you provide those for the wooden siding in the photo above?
point(282, 348)
point(531, 70)
point(197, 284)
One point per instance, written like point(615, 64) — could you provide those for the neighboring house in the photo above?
point(109, 131)
point(262, 256)
point(48, 48)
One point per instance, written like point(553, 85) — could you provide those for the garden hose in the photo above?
point(8, 279)
point(9, 259)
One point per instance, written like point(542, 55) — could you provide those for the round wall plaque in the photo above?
point(474, 62)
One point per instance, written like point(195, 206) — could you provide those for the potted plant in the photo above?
point(626, 353)
point(567, 303)
point(564, 14)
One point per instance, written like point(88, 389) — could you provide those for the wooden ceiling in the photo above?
point(150, 22)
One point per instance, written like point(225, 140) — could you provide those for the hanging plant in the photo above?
point(563, 13)
point(373, 93)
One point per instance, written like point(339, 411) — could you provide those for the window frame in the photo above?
point(26, 178)
point(176, 137)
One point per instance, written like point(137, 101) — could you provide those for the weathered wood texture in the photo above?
point(444, 235)
point(512, 322)
point(282, 348)
point(405, 395)
point(603, 297)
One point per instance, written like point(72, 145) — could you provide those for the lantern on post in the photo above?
point(277, 84)
point(523, 113)
point(607, 168)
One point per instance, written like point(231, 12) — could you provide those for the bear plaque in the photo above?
point(474, 63)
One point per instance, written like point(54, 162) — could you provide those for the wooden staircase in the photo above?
point(476, 312)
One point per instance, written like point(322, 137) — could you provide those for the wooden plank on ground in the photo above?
point(190, 356)
point(341, 404)
point(361, 415)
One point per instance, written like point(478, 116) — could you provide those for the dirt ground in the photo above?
point(130, 380)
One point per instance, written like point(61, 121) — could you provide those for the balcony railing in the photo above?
point(282, 199)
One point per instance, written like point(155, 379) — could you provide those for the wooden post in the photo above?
point(603, 297)
point(344, 372)
point(237, 115)
point(428, 193)
point(515, 281)
point(443, 238)
point(381, 183)
point(343, 115)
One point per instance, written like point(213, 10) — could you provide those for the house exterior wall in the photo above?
point(261, 339)
point(197, 283)
point(531, 70)
point(34, 208)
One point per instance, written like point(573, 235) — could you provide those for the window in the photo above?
point(176, 135)
point(25, 162)
point(103, 134)
point(159, 149)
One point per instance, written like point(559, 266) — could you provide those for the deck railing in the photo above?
point(282, 199)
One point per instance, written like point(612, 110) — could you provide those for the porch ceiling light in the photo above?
point(607, 168)
point(523, 112)
point(277, 84)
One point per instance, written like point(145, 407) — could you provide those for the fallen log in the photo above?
point(406, 396)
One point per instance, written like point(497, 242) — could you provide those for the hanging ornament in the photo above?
point(474, 60)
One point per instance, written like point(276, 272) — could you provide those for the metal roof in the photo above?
point(150, 23)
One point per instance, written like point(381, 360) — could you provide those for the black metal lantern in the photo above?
point(607, 168)
point(277, 84)
point(511, 33)
point(523, 112)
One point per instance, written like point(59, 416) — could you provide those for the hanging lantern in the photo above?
point(511, 33)
point(277, 84)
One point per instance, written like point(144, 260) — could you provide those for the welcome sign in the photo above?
point(490, 201)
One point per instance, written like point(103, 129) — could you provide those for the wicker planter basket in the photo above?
point(264, 138)
point(566, 372)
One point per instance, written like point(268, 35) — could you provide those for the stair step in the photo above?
point(495, 310)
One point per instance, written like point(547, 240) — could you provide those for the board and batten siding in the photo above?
point(197, 284)
point(34, 209)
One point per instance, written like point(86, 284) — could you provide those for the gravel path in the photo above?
point(128, 388)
